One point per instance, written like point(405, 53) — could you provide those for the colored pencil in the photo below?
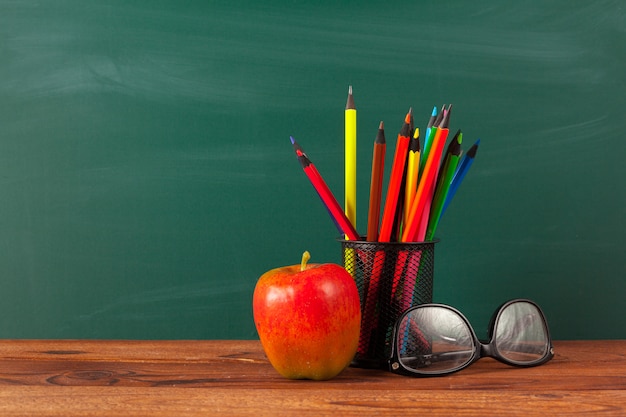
point(411, 277)
point(396, 230)
point(376, 184)
point(433, 122)
point(398, 273)
point(450, 164)
point(427, 138)
point(395, 181)
point(412, 172)
point(369, 319)
point(461, 171)
point(326, 195)
point(350, 159)
point(407, 264)
point(426, 192)
point(430, 190)
point(299, 151)
point(429, 175)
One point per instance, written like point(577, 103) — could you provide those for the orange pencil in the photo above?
point(428, 177)
point(376, 184)
point(395, 181)
point(430, 191)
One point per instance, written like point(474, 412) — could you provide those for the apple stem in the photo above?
point(305, 258)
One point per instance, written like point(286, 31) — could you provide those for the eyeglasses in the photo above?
point(436, 339)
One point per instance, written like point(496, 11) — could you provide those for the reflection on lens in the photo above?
point(434, 339)
point(520, 334)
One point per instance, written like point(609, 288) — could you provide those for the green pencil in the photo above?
point(450, 163)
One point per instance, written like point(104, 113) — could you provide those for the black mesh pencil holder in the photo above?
point(390, 277)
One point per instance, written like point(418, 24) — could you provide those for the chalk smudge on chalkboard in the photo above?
point(180, 300)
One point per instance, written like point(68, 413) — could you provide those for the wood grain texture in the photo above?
point(193, 378)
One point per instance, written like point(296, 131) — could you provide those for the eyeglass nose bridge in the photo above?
point(486, 350)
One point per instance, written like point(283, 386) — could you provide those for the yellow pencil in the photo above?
point(350, 155)
point(412, 172)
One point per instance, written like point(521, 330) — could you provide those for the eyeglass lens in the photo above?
point(435, 339)
point(520, 334)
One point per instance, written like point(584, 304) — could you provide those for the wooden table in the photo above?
point(204, 378)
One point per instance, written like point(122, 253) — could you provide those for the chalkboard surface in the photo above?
point(147, 179)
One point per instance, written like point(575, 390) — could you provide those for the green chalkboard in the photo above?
point(147, 179)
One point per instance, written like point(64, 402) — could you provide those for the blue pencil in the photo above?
point(464, 166)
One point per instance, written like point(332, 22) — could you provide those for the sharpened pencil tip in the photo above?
point(438, 119)
point(414, 146)
point(380, 135)
point(296, 146)
point(471, 153)
point(445, 122)
point(350, 102)
point(407, 118)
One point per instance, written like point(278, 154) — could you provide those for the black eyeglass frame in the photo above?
point(481, 348)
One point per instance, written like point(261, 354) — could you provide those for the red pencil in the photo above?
point(395, 181)
point(325, 194)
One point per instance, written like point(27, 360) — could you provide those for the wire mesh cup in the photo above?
point(390, 277)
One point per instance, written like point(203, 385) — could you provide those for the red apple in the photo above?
point(308, 318)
